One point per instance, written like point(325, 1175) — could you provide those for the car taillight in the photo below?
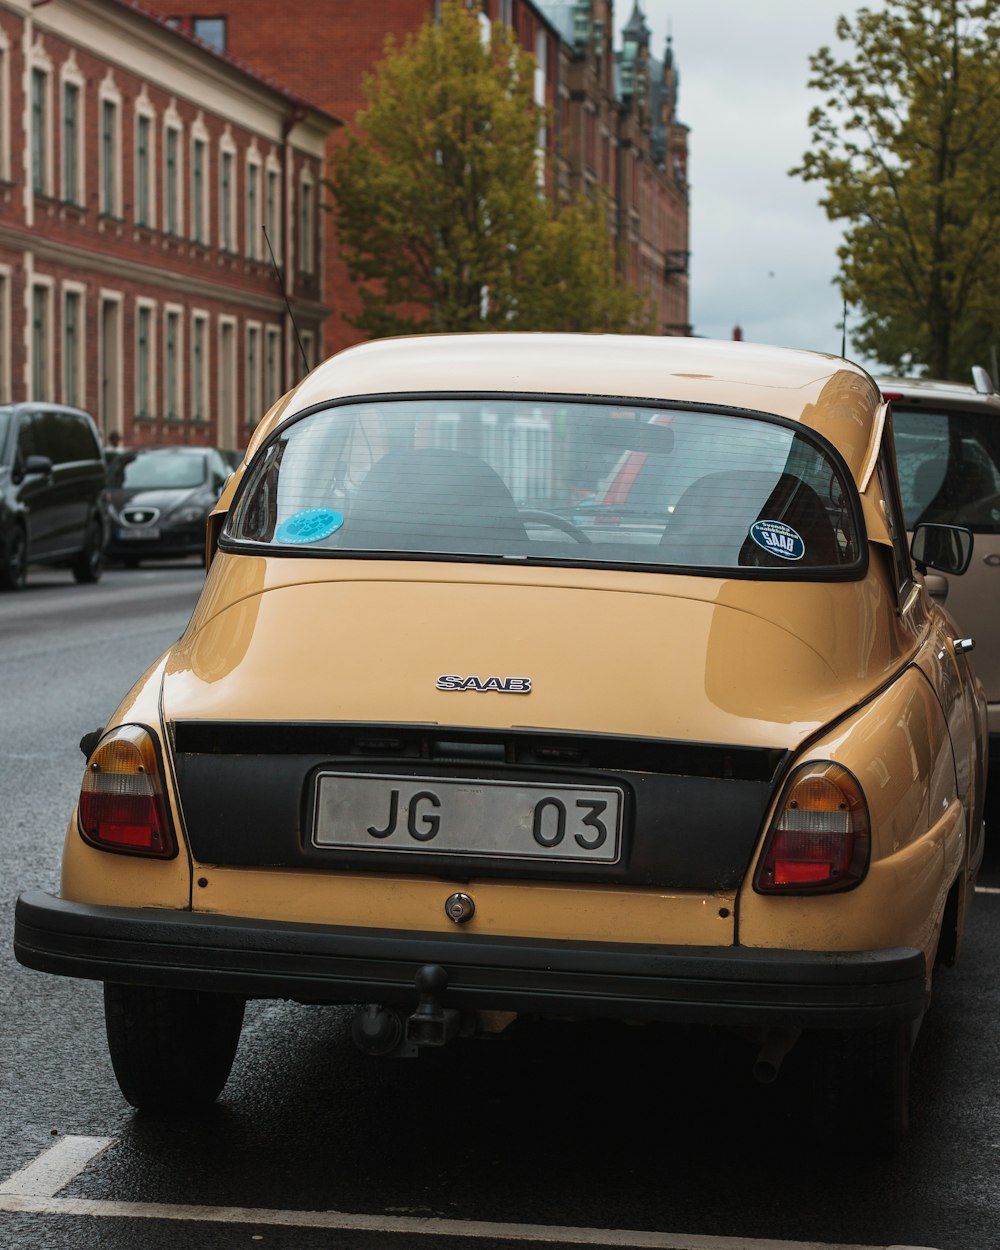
point(820, 839)
point(121, 805)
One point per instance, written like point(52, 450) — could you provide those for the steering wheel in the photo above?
point(556, 521)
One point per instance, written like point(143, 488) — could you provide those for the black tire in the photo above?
point(172, 1050)
point(89, 564)
point(14, 560)
point(860, 1084)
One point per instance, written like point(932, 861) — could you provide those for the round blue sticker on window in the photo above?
point(309, 526)
point(779, 539)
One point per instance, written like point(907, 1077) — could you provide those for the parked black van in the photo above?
point(53, 492)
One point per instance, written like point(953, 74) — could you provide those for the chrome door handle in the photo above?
point(963, 645)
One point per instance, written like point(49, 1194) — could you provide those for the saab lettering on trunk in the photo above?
point(502, 685)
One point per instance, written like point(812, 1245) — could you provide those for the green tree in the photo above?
point(437, 204)
point(907, 142)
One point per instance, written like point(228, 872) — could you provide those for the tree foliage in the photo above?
point(435, 193)
point(907, 142)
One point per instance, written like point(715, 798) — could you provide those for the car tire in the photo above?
point(89, 564)
point(172, 1050)
point(860, 1082)
point(14, 561)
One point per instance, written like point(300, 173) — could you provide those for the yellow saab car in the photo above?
point(542, 675)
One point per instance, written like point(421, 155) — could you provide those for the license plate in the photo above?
point(498, 819)
point(146, 531)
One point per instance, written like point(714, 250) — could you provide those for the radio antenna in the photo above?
point(284, 296)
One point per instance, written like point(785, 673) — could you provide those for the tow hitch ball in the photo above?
point(381, 1030)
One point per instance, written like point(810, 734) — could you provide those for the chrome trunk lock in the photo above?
point(459, 907)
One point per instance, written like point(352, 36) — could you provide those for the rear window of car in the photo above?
point(520, 479)
point(159, 470)
point(949, 468)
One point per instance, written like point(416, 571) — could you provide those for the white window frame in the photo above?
point(307, 223)
point(253, 373)
point(4, 107)
point(145, 112)
point(6, 337)
point(70, 76)
point(253, 206)
point(148, 306)
point(272, 205)
point(38, 64)
point(40, 282)
point(110, 397)
point(79, 291)
point(228, 399)
point(308, 348)
point(173, 314)
point(227, 204)
point(272, 371)
point(109, 96)
point(173, 126)
point(200, 321)
point(200, 220)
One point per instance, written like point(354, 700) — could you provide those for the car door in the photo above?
point(36, 491)
point(949, 472)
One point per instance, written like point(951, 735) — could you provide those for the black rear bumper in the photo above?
point(326, 963)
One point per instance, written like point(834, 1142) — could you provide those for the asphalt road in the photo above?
point(654, 1138)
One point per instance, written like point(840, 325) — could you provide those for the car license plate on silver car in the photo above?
point(146, 531)
point(499, 819)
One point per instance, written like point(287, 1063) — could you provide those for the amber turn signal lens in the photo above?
point(121, 806)
point(820, 840)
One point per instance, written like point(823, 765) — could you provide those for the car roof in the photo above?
point(827, 393)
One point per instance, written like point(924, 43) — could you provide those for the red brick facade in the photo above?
point(124, 287)
point(328, 56)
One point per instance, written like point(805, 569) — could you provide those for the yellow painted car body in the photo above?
point(689, 692)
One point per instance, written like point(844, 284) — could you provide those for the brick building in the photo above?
point(138, 170)
point(614, 121)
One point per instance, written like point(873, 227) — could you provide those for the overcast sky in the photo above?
point(763, 254)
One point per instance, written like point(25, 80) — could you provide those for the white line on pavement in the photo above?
point(31, 1190)
point(55, 1167)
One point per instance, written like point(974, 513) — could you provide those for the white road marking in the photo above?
point(54, 1168)
point(32, 1190)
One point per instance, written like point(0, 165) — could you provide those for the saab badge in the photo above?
point(499, 685)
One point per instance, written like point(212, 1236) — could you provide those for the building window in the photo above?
point(226, 204)
point(39, 128)
point(5, 334)
point(71, 143)
point(171, 366)
point(227, 433)
point(273, 211)
point(4, 111)
point(272, 366)
point(144, 355)
point(40, 343)
point(199, 368)
point(143, 170)
point(253, 413)
point(110, 358)
point(72, 348)
point(109, 158)
point(171, 181)
point(210, 30)
point(199, 157)
point(307, 226)
point(309, 348)
point(253, 210)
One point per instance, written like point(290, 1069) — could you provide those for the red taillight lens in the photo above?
point(121, 805)
point(820, 839)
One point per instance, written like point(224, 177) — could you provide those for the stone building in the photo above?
point(138, 171)
point(614, 113)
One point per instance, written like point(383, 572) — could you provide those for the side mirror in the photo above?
point(947, 548)
point(40, 466)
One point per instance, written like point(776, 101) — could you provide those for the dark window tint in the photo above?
point(160, 470)
point(949, 468)
point(27, 442)
point(64, 437)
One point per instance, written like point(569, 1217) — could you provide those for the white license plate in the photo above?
point(145, 531)
point(499, 819)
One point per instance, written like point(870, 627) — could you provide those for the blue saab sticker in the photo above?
point(309, 526)
point(779, 539)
